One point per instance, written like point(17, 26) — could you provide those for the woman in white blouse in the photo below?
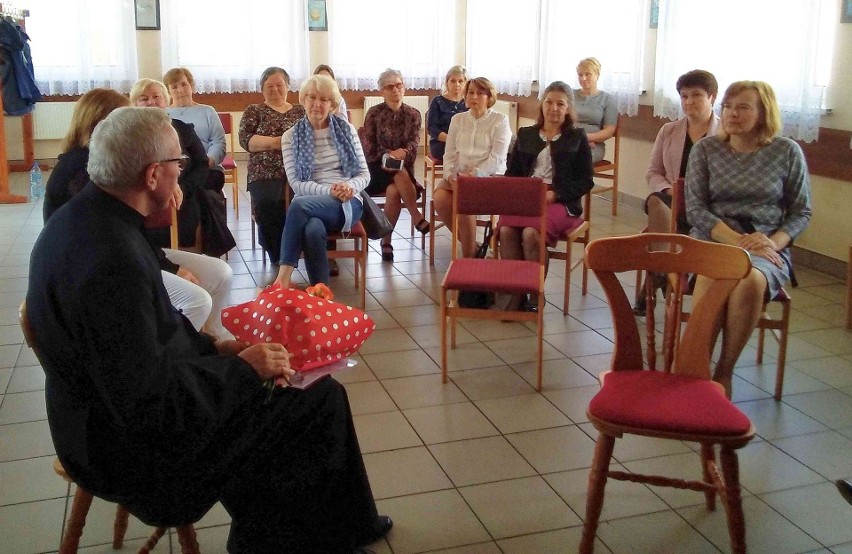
point(477, 144)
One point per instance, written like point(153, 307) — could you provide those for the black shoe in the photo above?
point(381, 527)
point(845, 488)
point(639, 308)
point(333, 268)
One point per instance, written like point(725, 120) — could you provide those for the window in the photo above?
point(790, 48)
point(78, 45)
point(572, 31)
point(369, 36)
point(502, 43)
point(227, 45)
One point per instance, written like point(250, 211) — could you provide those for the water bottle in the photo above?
point(36, 183)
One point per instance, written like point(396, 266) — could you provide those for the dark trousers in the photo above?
point(304, 487)
point(267, 200)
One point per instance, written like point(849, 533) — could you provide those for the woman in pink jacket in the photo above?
point(697, 90)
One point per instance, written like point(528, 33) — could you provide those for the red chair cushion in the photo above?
point(512, 276)
point(435, 160)
point(229, 163)
point(666, 402)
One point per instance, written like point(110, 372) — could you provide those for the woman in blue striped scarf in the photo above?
point(326, 169)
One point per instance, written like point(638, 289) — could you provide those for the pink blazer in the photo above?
point(668, 151)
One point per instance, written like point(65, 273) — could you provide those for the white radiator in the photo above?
point(51, 120)
point(419, 103)
point(511, 111)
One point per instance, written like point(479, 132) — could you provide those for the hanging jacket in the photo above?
point(17, 76)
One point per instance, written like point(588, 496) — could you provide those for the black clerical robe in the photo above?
point(145, 413)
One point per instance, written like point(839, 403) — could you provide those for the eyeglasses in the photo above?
point(182, 162)
point(397, 86)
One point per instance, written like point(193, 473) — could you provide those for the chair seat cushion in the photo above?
point(512, 276)
point(666, 402)
point(229, 163)
point(781, 296)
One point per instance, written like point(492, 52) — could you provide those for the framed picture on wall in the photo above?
point(317, 16)
point(147, 15)
point(846, 12)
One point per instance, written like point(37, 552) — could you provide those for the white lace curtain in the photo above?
point(227, 44)
point(502, 43)
point(618, 45)
point(78, 45)
point(764, 40)
point(368, 36)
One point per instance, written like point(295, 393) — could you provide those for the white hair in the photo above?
point(126, 142)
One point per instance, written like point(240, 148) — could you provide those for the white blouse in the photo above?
point(477, 146)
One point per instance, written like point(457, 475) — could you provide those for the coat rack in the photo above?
point(6, 10)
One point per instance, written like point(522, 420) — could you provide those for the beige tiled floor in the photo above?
point(484, 464)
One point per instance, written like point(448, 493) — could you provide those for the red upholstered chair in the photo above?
point(73, 530)
point(778, 327)
point(683, 404)
point(228, 164)
point(494, 196)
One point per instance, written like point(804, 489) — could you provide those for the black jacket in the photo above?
point(572, 163)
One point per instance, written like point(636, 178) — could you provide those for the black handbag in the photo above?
point(481, 300)
point(373, 218)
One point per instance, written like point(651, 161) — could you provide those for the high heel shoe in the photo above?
point(387, 252)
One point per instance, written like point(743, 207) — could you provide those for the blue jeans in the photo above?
point(309, 220)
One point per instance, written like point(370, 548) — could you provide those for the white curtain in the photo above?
point(762, 40)
point(227, 44)
point(368, 36)
point(78, 45)
point(568, 36)
point(503, 43)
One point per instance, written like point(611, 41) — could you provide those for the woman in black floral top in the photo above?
point(260, 134)
point(392, 129)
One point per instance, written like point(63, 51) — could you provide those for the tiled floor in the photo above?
point(484, 464)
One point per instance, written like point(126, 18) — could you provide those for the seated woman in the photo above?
point(391, 130)
point(442, 109)
point(202, 117)
point(597, 111)
point(193, 177)
point(327, 171)
point(261, 128)
point(477, 143)
point(748, 187)
point(697, 90)
point(188, 277)
point(323, 69)
point(558, 153)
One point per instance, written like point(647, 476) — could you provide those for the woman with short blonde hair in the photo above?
point(202, 117)
point(443, 107)
point(748, 187)
point(597, 111)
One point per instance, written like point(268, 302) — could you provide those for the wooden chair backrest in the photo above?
point(678, 204)
point(724, 264)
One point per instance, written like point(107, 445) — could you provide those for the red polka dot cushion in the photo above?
point(315, 330)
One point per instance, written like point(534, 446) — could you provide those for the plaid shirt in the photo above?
point(768, 189)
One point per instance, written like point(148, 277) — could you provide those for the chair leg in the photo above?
point(708, 455)
point(76, 521)
point(152, 541)
point(595, 495)
point(733, 503)
point(119, 528)
point(443, 335)
point(187, 540)
point(782, 349)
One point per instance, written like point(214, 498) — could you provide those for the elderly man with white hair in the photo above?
point(147, 412)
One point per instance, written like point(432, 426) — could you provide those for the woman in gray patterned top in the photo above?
point(748, 187)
